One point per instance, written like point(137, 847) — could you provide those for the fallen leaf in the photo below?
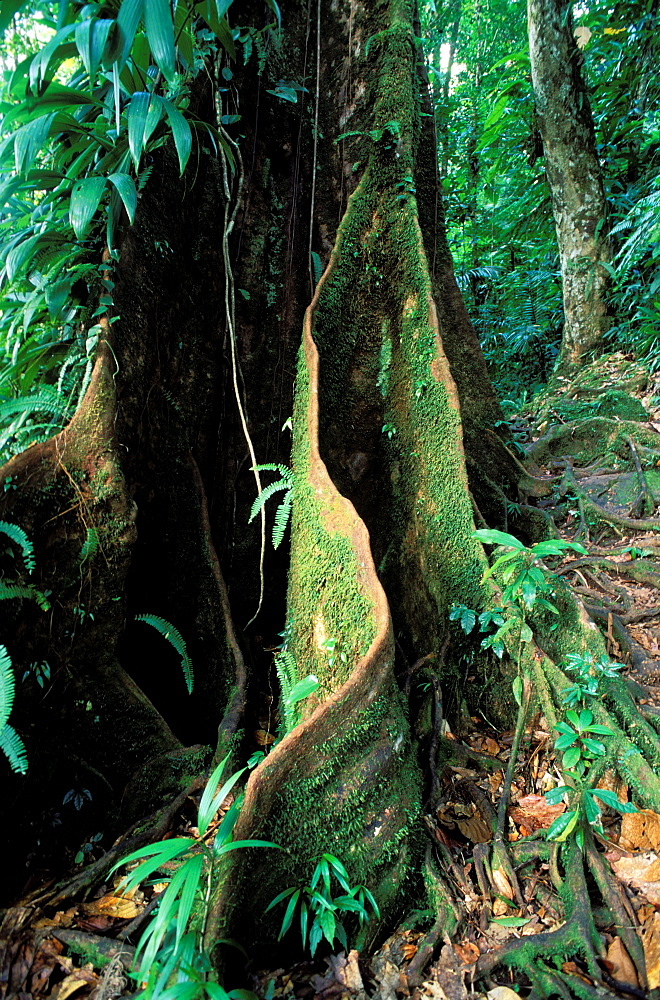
point(534, 812)
point(112, 906)
point(640, 831)
point(475, 829)
point(75, 981)
point(641, 872)
point(262, 738)
point(621, 964)
point(467, 951)
point(651, 944)
point(502, 993)
point(502, 883)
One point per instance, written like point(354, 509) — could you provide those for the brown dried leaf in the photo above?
point(640, 831)
point(502, 883)
point(475, 829)
point(641, 872)
point(467, 951)
point(75, 981)
point(262, 738)
point(502, 993)
point(112, 906)
point(621, 964)
point(651, 943)
point(534, 812)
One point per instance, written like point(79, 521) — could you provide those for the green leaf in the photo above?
point(125, 186)
point(308, 685)
point(526, 633)
point(7, 686)
point(561, 828)
point(491, 536)
point(611, 799)
point(595, 747)
point(600, 730)
point(136, 116)
point(511, 921)
point(192, 876)
point(220, 27)
point(160, 35)
point(571, 757)
point(586, 718)
point(210, 803)
point(85, 198)
point(128, 20)
point(278, 899)
point(555, 795)
point(29, 140)
point(91, 38)
point(287, 919)
point(591, 809)
point(181, 133)
point(517, 688)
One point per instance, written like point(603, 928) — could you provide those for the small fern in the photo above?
point(317, 266)
point(21, 590)
point(18, 536)
point(176, 640)
point(283, 484)
point(291, 689)
point(10, 742)
point(90, 545)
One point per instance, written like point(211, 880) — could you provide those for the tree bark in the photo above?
point(574, 176)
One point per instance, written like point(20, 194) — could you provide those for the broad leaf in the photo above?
point(85, 198)
point(137, 118)
point(180, 131)
point(160, 34)
point(125, 185)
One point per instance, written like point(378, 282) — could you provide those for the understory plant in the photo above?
point(322, 912)
point(527, 587)
point(282, 485)
point(171, 961)
point(11, 743)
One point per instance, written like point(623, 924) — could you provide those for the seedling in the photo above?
point(321, 912)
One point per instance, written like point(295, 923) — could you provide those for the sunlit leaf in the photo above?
point(85, 198)
point(160, 34)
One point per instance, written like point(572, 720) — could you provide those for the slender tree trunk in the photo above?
point(573, 173)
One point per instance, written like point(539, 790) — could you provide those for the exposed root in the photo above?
point(570, 485)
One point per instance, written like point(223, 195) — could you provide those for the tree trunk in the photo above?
point(574, 176)
point(393, 448)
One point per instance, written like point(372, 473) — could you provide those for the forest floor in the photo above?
point(604, 491)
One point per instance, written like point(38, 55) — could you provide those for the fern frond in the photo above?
point(285, 472)
point(281, 519)
point(90, 544)
point(317, 266)
point(266, 494)
point(13, 748)
point(11, 590)
point(287, 671)
point(176, 640)
point(44, 401)
point(17, 535)
point(7, 686)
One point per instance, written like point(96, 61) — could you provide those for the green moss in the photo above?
point(610, 403)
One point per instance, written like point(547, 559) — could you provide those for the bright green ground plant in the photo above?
point(527, 587)
point(171, 962)
point(11, 743)
point(321, 912)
